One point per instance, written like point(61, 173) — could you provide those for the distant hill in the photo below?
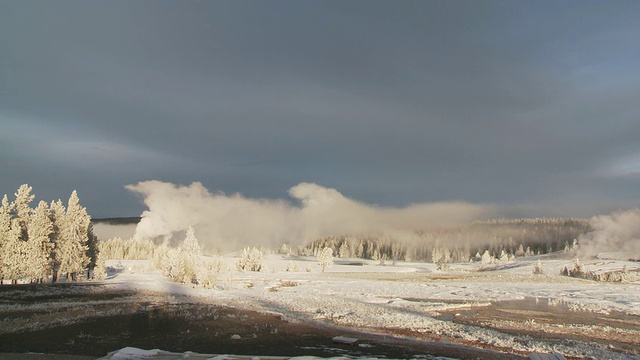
point(117, 220)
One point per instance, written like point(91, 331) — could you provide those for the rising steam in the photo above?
point(229, 222)
point(614, 236)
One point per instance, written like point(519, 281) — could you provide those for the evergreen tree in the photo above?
point(360, 250)
point(487, 258)
point(325, 258)
point(60, 244)
point(100, 269)
point(191, 245)
point(284, 250)
point(520, 251)
point(5, 227)
point(21, 209)
point(15, 253)
point(92, 248)
point(40, 246)
point(344, 250)
point(436, 255)
point(76, 232)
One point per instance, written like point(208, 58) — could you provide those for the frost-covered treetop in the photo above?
point(325, 257)
point(191, 244)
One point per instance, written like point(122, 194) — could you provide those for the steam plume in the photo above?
point(229, 222)
point(614, 236)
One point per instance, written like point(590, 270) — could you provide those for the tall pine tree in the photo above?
point(76, 232)
point(5, 227)
point(40, 229)
point(15, 254)
point(60, 243)
point(21, 209)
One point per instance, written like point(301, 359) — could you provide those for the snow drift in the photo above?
point(229, 222)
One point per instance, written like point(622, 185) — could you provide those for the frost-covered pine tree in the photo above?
point(76, 229)
point(40, 246)
point(73, 239)
point(504, 256)
point(487, 258)
point(191, 245)
point(92, 248)
point(344, 251)
point(325, 258)
point(529, 252)
point(100, 270)
point(436, 255)
point(520, 251)
point(5, 227)
point(22, 210)
point(15, 253)
point(446, 254)
point(284, 250)
point(537, 268)
point(60, 244)
point(360, 250)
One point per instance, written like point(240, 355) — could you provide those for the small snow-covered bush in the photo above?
point(174, 265)
point(623, 275)
point(443, 266)
point(537, 268)
point(577, 271)
point(208, 270)
point(180, 266)
point(292, 267)
point(251, 260)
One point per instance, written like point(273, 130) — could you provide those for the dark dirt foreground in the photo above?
point(91, 320)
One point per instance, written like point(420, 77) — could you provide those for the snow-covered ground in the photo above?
point(408, 299)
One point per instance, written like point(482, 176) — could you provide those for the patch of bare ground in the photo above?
point(539, 319)
point(453, 346)
point(92, 321)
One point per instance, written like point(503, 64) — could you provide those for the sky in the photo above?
point(532, 106)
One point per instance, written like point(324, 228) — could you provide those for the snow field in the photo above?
point(409, 296)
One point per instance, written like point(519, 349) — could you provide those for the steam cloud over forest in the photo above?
point(616, 235)
point(229, 222)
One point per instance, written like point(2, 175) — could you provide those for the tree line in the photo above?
point(499, 238)
point(48, 241)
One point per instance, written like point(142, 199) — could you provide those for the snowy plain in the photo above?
point(410, 301)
